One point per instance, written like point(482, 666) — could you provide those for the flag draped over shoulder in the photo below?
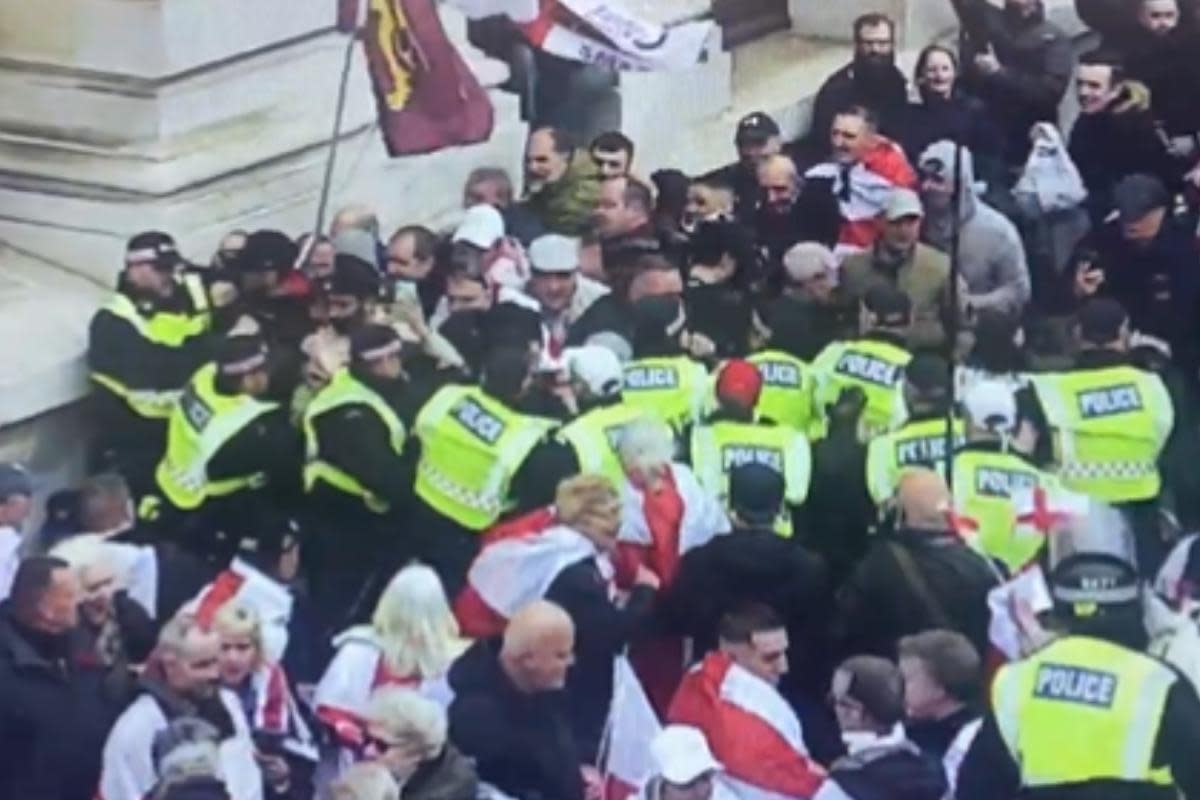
point(750, 728)
point(518, 563)
point(427, 95)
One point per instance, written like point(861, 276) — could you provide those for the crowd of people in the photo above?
point(864, 466)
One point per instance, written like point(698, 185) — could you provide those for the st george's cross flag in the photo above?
point(517, 564)
point(750, 728)
point(632, 726)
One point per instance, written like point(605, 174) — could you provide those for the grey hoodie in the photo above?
point(991, 254)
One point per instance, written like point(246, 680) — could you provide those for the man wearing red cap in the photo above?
point(731, 437)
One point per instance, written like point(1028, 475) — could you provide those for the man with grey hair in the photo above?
point(184, 682)
point(187, 760)
point(792, 209)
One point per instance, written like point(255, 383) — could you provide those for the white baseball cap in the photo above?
point(991, 405)
point(597, 368)
point(554, 253)
point(482, 226)
point(681, 754)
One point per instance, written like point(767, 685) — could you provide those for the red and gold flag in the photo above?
point(427, 95)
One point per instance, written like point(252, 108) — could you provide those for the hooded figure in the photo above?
point(991, 255)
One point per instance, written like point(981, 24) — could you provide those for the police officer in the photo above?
point(662, 379)
point(143, 345)
point(874, 362)
point(992, 469)
point(476, 460)
point(786, 397)
point(225, 443)
point(1109, 422)
point(1088, 716)
point(356, 473)
point(921, 440)
point(730, 437)
point(596, 380)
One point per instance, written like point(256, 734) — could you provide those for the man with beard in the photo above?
point(870, 80)
point(357, 475)
point(182, 682)
point(355, 284)
point(790, 210)
point(1016, 62)
point(143, 345)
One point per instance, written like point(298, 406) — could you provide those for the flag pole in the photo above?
point(955, 272)
point(335, 139)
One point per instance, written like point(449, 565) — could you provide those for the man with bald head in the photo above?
point(508, 712)
point(355, 217)
point(790, 211)
point(919, 573)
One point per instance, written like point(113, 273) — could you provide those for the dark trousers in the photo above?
point(350, 553)
point(444, 545)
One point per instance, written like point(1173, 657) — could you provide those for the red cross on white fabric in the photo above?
point(1042, 518)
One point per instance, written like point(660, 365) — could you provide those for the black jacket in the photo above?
point(989, 773)
point(897, 772)
point(1158, 285)
point(1112, 144)
point(744, 182)
point(884, 91)
point(355, 439)
point(127, 442)
point(961, 118)
point(602, 630)
point(521, 743)
point(878, 604)
point(814, 217)
point(934, 736)
point(55, 715)
point(1168, 66)
point(1035, 69)
point(839, 512)
point(755, 566)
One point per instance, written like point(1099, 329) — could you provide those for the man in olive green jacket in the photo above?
point(561, 183)
point(899, 260)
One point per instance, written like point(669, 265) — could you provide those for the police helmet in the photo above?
point(1093, 565)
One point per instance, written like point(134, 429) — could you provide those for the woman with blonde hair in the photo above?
point(564, 556)
point(410, 642)
point(285, 748)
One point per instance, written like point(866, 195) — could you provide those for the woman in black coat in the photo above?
point(945, 111)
